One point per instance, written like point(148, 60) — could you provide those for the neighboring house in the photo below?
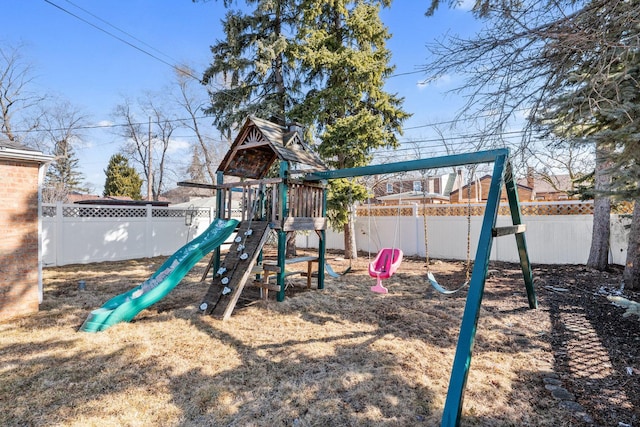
point(22, 171)
point(413, 196)
point(420, 189)
point(180, 195)
point(534, 187)
point(549, 187)
point(478, 191)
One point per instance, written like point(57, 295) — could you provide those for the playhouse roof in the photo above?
point(260, 143)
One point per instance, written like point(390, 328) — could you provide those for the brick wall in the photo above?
point(19, 294)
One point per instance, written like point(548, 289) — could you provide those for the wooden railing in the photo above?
point(260, 199)
point(305, 200)
point(248, 199)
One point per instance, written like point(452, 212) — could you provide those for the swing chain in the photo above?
point(471, 174)
point(426, 238)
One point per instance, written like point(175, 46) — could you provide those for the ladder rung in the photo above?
point(268, 286)
point(504, 231)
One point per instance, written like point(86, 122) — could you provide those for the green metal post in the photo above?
point(219, 214)
point(525, 265)
point(322, 247)
point(464, 349)
point(283, 188)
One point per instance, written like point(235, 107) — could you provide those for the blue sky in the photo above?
point(94, 71)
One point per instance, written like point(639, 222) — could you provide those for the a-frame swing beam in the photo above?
point(502, 174)
point(488, 156)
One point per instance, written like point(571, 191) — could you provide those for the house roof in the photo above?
point(15, 151)
point(5, 143)
point(412, 195)
point(550, 183)
point(259, 144)
point(488, 178)
point(93, 199)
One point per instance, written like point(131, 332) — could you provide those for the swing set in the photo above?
point(502, 176)
point(386, 262)
point(430, 277)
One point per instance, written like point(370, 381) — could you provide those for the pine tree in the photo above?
point(575, 64)
point(597, 101)
point(63, 176)
point(334, 52)
point(255, 62)
point(122, 179)
point(196, 170)
point(343, 54)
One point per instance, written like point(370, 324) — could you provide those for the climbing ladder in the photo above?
point(230, 279)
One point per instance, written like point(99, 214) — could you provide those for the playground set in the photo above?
point(296, 200)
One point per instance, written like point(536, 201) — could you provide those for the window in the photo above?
point(417, 186)
point(389, 187)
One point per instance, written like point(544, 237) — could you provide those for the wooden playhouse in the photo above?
point(259, 182)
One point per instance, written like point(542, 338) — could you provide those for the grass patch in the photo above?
point(341, 356)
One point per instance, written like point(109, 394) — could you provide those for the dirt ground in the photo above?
point(340, 356)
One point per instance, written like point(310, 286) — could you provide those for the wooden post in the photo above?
point(219, 214)
point(282, 235)
point(322, 245)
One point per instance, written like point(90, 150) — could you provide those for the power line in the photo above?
point(447, 140)
point(121, 30)
point(405, 74)
point(183, 70)
point(113, 125)
point(454, 121)
point(120, 39)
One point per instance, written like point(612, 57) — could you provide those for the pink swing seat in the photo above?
point(383, 266)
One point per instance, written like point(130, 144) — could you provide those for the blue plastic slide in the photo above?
point(126, 306)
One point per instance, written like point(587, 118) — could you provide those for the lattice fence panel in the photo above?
point(103, 212)
point(179, 213)
point(622, 208)
point(49, 211)
point(527, 209)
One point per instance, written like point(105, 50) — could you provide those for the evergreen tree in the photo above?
point(598, 101)
point(255, 62)
point(572, 61)
point(343, 55)
point(339, 49)
point(196, 170)
point(122, 179)
point(256, 65)
point(63, 176)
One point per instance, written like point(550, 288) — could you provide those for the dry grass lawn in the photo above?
point(341, 356)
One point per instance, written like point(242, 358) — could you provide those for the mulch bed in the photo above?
point(596, 349)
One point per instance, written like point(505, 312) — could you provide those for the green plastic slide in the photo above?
point(126, 306)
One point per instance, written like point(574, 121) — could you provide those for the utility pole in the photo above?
point(149, 170)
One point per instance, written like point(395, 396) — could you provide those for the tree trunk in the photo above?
point(599, 253)
point(631, 273)
point(350, 250)
point(291, 250)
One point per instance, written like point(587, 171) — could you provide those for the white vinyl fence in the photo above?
point(81, 234)
point(551, 239)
